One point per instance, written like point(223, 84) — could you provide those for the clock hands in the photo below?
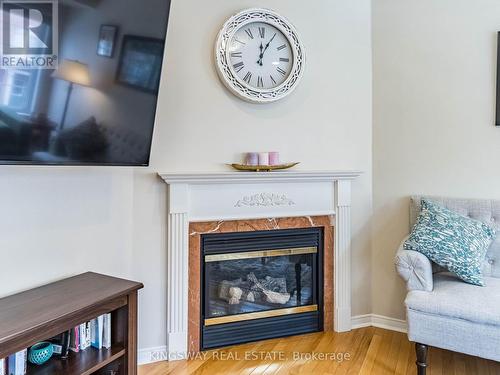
point(268, 43)
point(261, 56)
point(261, 47)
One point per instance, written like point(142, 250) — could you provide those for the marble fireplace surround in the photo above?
point(197, 229)
point(201, 202)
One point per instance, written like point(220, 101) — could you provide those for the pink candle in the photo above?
point(274, 158)
point(252, 158)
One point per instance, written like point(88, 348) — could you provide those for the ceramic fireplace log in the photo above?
point(225, 287)
point(271, 297)
point(275, 297)
point(254, 289)
point(235, 294)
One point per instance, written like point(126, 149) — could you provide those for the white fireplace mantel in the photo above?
point(244, 195)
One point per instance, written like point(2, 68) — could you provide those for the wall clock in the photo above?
point(259, 56)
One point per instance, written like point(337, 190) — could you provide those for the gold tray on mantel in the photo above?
point(262, 168)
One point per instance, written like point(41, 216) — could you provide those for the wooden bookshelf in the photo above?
point(41, 313)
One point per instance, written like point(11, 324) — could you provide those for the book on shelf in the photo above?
point(65, 337)
point(106, 335)
point(3, 370)
point(84, 335)
point(88, 337)
point(96, 331)
point(11, 365)
point(81, 334)
point(74, 340)
point(17, 363)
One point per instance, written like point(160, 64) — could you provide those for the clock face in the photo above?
point(260, 55)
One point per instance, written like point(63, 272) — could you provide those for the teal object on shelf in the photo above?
point(40, 353)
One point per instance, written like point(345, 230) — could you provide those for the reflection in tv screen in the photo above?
point(79, 81)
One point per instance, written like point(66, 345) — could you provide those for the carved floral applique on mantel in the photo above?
point(266, 200)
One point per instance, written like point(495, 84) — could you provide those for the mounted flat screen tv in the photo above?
point(79, 80)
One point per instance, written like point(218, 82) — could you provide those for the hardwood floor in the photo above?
point(362, 351)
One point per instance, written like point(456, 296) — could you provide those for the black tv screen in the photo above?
point(79, 80)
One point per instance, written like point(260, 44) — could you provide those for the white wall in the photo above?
point(434, 101)
point(60, 221)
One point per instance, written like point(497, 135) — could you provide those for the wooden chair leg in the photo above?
point(421, 350)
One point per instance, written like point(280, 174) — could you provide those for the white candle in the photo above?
point(263, 158)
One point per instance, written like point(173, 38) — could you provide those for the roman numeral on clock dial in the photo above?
point(284, 59)
point(249, 33)
point(237, 54)
point(283, 46)
point(248, 77)
point(238, 66)
point(262, 32)
point(260, 82)
point(281, 71)
point(272, 79)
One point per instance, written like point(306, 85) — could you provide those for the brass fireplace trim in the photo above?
point(260, 315)
point(261, 254)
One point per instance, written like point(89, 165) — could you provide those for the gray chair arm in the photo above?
point(415, 268)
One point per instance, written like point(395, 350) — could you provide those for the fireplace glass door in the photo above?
point(257, 282)
point(258, 285)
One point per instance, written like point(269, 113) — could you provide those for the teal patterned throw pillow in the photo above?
point(451, 240)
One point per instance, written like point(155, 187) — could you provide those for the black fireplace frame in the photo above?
point(216, 336)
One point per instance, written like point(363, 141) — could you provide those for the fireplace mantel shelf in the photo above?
point(259, 177)
point(219, 196)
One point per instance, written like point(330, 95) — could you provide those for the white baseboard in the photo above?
point(159, 353)
point(374, 320)
point(361, 321)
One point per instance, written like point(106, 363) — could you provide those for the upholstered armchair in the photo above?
point(443, 311)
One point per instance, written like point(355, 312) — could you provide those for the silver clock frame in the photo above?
point(235, 84)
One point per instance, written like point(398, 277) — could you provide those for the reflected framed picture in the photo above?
point(140, 63)
point(107, 40)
